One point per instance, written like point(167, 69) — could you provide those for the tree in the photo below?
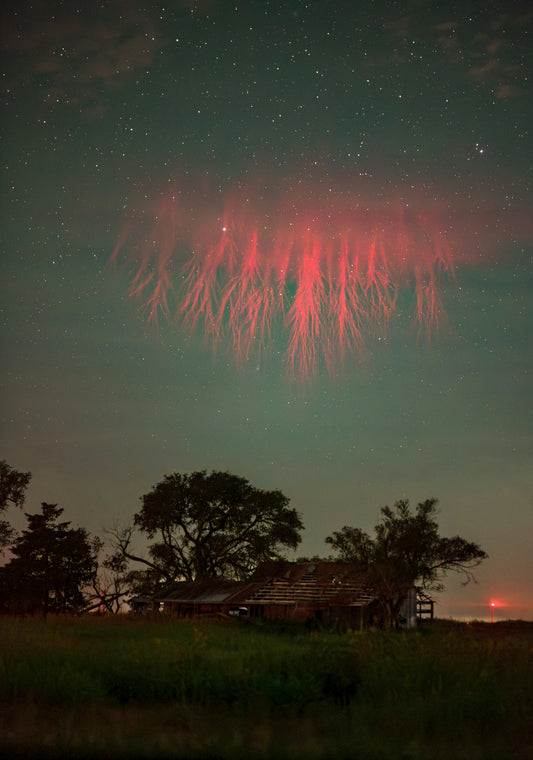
point(13, 486)
point(210, 525)
point(52, 564)
point(112, 584)
point(407, 549)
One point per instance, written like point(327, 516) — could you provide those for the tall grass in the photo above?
point(138, 688)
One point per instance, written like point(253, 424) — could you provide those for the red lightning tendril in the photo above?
point(327, 276)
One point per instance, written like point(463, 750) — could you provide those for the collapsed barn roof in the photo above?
point(278, 583)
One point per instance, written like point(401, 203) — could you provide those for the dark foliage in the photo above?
point(407, 549)
point(52, 564)
point(210, 525)
point(13, 486)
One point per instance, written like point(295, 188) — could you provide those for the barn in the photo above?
point(327, 592)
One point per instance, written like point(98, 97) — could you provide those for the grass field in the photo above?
point(130, 688)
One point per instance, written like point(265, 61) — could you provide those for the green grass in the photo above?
point(126, 687)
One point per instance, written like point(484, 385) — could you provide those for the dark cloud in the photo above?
point(489, 46)
point(492, 48)
point(72, 53)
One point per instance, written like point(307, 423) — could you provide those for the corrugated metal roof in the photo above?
point(206, 591)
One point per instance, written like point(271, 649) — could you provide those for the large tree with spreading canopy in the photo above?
point(208, 525)
point(407, 549)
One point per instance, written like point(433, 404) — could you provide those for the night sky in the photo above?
point(149, 147)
